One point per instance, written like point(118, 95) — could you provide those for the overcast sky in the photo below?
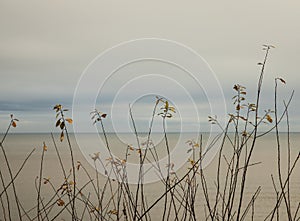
point(46, 45)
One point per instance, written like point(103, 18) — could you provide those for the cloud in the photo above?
point(45, 46)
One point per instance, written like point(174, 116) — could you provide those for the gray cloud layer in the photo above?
point(45, 46)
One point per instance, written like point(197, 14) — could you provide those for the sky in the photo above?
point(45, 47)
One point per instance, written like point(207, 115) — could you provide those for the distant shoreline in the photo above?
point(171, 132)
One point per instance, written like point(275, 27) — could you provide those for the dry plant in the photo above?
point(111, 197)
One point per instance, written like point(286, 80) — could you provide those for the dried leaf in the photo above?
point(192, 161)
point(57, 107)
point(57, 123)
point(71, 183)
point(60, 202)
point(236, 87)
point(78, 165)
point(103, 115)
point(14, 124)
point(62, 125)
point(61, 136)
point(45, 148)
point(96, 156)
point(167, 105)
point(115, 212)
point(268, 117)
point(172, 109)
point(46, 180)
point(282, 80)
point(69, 120)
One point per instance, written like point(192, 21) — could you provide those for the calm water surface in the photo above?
point(18, 146)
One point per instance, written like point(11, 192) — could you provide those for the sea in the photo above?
point(183, 148)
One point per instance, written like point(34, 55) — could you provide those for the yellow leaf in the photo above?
point(192, 161)
point(70, 121)
point(115, 212)
point(45, 147)
point(172, 109)
point(71, 182)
